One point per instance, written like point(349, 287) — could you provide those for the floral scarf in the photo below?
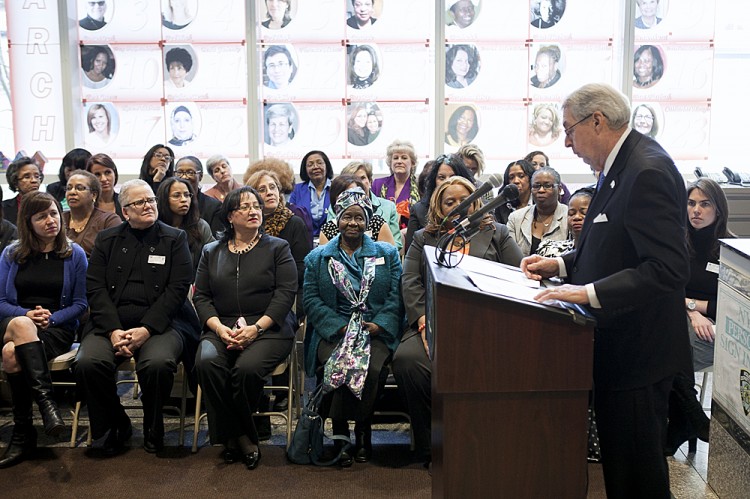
point(348, 364)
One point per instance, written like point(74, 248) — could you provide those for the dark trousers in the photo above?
point(232, 382)
point(413, 372)
point(156, 364)
point(341, 404)
point(632, 430)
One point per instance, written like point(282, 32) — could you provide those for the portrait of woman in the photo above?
point(363, 66)
point(463, 126)
point(278, 14)
point(245, 289)
point(461, 65)
point(176, 14)
point(98, 66)
point(157, 165)
point(545, 126)
point(181, 121)
point(644, 120)
point(177, 208)
point(75, 159)
point(356, 125)
point(281, 122)
point(546, 71)
point(462, 13)
point(99, 123)
point(411, 363)
point(546, 13)
point(352, 269)
point(373, 126)
point(85, 220)
point(362, 14)
point(648, 66)
point(648, 10)
point(105, 170)
point(179, 63)
point(38, 323)
point(279, 68)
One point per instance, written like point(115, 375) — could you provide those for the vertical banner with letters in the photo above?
point(36, 79)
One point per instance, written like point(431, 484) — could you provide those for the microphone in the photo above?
point(509, 193)
point(493, 182)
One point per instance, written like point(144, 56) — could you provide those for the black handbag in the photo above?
point(306, 446)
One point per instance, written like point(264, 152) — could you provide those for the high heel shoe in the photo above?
point(252, 459)
point(363, 445)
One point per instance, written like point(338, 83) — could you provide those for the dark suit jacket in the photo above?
point(10, 210)
point(638, 262)
point(209, 210)
point(166, 284)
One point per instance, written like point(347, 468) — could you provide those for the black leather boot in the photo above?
point(363, 446)
point(688, 400)
point(23, 440)
point(34, 367)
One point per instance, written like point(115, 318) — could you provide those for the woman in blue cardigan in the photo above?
point(38, 322)
point(355, 316)
point(312, 193)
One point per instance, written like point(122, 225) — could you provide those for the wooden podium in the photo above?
point(510, 391)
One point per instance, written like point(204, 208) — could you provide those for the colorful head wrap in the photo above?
point(351, 197)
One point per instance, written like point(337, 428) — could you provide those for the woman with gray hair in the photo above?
point(401, 185)
point(24, 177)
point(221, 171)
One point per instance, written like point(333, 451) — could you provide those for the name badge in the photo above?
point(157, 259)
point(380, 261)
point(369, 233)
point(712, 267)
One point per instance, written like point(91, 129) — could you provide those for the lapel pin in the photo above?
point(612, 185)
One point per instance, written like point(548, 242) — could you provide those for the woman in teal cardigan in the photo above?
point(355, 319)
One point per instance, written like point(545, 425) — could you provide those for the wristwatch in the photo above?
point(691, 305)
point(261, 330)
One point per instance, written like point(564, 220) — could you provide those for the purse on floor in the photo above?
point(306, 446)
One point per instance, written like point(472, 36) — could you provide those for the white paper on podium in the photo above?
point(480, 266)
point(502, 287)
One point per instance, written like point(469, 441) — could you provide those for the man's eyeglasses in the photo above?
point(78, 187)
point(569, 130)
point(539, 187)
point(141, 203)
point(186, 173)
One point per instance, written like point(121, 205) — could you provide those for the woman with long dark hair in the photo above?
point(158, 164)
point(38, 323)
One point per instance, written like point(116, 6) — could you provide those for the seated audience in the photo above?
point(8, 231)
point(411, 363)
point(380, 206)
point(518, 173)
point(312, 193)
point(190, 168)
point(138, 279)
point(577, 209)
point(176, 206)
point(24, 177)
point(75, 159)
point(539, 160)
point(38, 323)
point(221, 171)
point(84, 220)
point(355, 318)
point(105, 170)
point(377, 229)
point(245, 289)
point(444, 167)
point(158, 164)
point(708, 213)
point(546, 219)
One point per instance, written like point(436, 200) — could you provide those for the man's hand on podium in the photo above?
point(538, 267)
point(566, 292)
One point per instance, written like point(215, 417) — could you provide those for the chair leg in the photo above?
point(183, 406)
point(196, 425)
point(74, 430)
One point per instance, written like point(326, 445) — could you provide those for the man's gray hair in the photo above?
point(599, 97)
point(127, 187)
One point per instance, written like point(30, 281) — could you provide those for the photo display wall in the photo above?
point(163, 72)
point(350, 76)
